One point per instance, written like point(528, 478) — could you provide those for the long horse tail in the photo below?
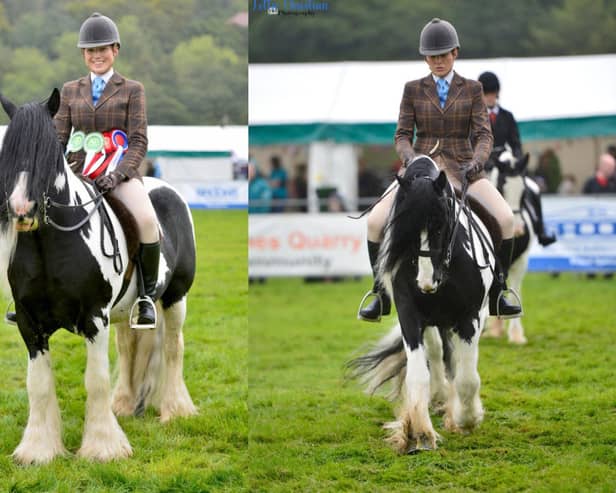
point(384, 362)
point(141, 363)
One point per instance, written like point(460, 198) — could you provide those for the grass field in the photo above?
point(203, 453)
point(550, 423)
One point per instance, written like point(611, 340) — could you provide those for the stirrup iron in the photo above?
point(517, 299)
point(134, 323)
point(363, 302)
point(8, 309)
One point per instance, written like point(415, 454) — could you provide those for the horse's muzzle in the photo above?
point(26, 224)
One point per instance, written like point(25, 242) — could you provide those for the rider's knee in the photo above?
point(507, 222)
point(375, 226)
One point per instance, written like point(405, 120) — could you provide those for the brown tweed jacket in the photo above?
point(122, 105)
point(462, 127)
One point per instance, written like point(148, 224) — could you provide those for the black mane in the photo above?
point(30, 144)
point(419, 204)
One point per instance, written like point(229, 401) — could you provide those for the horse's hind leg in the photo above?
point(42, 438)
point(103, 439)
point(464, 410)
point(123, 400)
point(175, 399)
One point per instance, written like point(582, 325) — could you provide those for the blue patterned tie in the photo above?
point(98, 85)
point(442, 88)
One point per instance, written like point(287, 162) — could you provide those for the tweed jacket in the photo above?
point(122, 106)
point(461, 128)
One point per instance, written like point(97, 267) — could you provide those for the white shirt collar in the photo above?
point(494, 109)
point(448, 77)
point(106, 76)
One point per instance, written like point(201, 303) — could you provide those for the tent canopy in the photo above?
point(556, 97)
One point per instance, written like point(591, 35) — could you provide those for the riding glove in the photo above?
point(106, 183)
point(472, 171)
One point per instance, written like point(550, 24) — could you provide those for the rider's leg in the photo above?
point(532, 203)
point(134, 195)
point(491, 199)
point(376, 223)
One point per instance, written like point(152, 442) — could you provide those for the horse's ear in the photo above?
point(53, 103)
point(441, 182)
point(522, 163)
point(9, 107)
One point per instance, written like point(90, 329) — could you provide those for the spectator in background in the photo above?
point(259, 192)
point(369, 185)
point(505, 132)
point(547, 173)
point(568, 185)
point(278, 183)
point(300, 186)
point(603, 181)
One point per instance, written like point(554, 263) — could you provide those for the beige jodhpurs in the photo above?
point(133, 195)
point(482, 190)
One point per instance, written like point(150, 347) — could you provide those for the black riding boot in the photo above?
point(149, 255)
point(373, 312)
point(534, 201)
point(498, 303)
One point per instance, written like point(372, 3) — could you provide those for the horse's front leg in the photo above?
point(413, 430)
point(439, 388)
point(515, 331)
point(42, 438)
point(103, 439)
point(464, 409)
point(123, 400)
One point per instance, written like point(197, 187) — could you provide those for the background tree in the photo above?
point(162, 42)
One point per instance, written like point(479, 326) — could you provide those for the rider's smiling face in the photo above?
point(100, 59)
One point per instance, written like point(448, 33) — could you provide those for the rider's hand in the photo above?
point(106, 183)
point(472, 171)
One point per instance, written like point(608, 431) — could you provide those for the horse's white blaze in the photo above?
point(42, 438)
point(103, 439)
point(60, 182)
point(175, 400)
point(425, 270)
point(18, 199)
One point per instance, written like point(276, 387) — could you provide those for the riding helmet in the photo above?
point(437, 38)
point(490, 83)
point(98, 30)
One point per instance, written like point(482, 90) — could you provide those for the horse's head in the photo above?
point(421, 221)
point(30, 158)
point(508, 176)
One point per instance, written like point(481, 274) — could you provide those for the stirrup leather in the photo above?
point(517, 299)
point(363, 302)
point(134, 321)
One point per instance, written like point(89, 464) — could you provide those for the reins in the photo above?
point(106, 223)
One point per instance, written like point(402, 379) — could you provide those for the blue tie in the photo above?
point(98, 85)
point(442, 88)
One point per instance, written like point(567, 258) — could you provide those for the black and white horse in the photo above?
point(438, 266)
point(508, 174)
point(65, 271)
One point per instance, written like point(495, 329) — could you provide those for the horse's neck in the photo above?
point(75, 186)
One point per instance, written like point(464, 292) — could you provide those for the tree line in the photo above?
point(389, 29)
point(191, 59)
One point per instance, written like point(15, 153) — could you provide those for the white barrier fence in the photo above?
point(335, 245)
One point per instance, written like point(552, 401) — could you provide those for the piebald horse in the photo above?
point(437, 261)
point(69, 267)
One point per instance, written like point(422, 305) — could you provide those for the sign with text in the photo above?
point(215, 194)
point(306, 245)
point(586, 230)
point(335, 245)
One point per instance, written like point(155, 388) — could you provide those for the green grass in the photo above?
point(197, 454)
point(550, 422)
